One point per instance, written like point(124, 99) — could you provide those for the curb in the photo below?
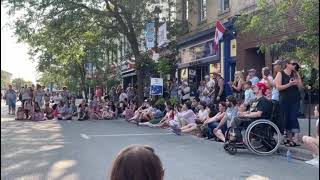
point(297, 153)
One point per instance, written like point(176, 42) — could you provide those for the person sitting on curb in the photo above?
point(187, 120)
point(137, 162)
point(312, 143)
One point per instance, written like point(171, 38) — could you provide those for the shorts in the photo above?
point(12, 104)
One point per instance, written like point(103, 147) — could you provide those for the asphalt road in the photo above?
point(85, 150)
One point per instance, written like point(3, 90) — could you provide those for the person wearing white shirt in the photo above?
point(123, 96)
point(252, 77)
point(187, 120)
point(248, 93)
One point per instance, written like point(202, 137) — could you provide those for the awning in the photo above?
point(128, 74)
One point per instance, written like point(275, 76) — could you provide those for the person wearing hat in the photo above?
point(252, 77)
point(288, 82)
point(261, 108)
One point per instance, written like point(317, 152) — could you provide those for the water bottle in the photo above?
point(289, 156)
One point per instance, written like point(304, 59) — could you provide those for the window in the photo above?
point(224, 5)
point(203, 9)
point(185, 10)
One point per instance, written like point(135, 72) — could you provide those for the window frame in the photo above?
point(203, 10)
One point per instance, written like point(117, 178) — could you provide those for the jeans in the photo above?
point(290, 116)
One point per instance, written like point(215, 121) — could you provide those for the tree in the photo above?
point(126, 17)
point(18, 83)
point(5, 79)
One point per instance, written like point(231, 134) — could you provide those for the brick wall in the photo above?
point(247, 41)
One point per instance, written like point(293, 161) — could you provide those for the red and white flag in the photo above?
point(220, 29)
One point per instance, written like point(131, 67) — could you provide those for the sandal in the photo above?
point(292, 144)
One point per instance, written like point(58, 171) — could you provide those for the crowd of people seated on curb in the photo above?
point(207, 115)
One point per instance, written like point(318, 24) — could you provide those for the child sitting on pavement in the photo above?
point(48, 112)
point(20, 114)
point(38, 113)
point(28, 109)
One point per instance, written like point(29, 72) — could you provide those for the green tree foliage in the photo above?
point(67, 32)
point(18, 83)
point(273, 17)
point(5, 79)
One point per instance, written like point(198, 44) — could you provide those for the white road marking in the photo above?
point(84, 136)
point(122, 135)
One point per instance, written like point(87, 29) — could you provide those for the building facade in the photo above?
point(237, 51)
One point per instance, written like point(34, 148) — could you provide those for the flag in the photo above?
point(220, 29)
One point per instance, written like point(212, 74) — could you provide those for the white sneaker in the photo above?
point(314, 162)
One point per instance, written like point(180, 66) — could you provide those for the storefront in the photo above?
point(198, 58)
point(128, 73)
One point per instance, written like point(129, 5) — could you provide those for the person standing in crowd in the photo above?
point(312, 143)
point(287, 82)
point(113, 94)
point(65, 94)
point(249, 96)
point(98, 92)
point(266, 76)
point(209, 85)
point(219, 94)
point(201, 89)
point(146, 92)
point(174, 88)
point(137, 162)
point(237, 85)
point(11, 98)
point(252, 77)
point(38, 95)
point(25, 95)
point(123, 96)
point(130, 92)
point(185, 91)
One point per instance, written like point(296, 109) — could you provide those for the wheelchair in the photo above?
point(261, 136)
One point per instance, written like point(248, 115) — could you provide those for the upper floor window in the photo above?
point(224, 5)
point(185, 10)
point(203, 9)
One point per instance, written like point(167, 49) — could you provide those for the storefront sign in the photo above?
point(184, 74)
point(233, 48)
point(156, 87)
point(150, 35)
point(198, 52)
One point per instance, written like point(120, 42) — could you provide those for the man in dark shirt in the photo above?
point(261, 108)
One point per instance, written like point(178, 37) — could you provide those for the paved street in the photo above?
point(85, 150)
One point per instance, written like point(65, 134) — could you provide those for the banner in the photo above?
point(156, 87)
point(90, 70)
point(162, 35)
point(150, 35)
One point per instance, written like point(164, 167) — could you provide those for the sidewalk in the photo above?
point(300, 152)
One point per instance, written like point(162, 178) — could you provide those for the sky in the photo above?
point(14, 56)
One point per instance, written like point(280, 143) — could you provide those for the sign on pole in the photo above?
point(156, 87)
point(162, 35)
point(150, 35)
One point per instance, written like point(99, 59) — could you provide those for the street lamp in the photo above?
point(156, 12)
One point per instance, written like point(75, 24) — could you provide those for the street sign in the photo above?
point(156, 87)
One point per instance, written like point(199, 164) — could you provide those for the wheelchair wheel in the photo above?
point(263, 137)
point(230, 148)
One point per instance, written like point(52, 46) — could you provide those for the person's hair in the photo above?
point(249, 83)
point(169, 107)
point(197, 99)
point(204, 104)
point(137, 162)
point(224, 104)
point(188, 104)
point(232, 100)
point(266, 71)
point(240, 74)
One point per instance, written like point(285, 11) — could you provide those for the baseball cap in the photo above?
point(278, 62)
